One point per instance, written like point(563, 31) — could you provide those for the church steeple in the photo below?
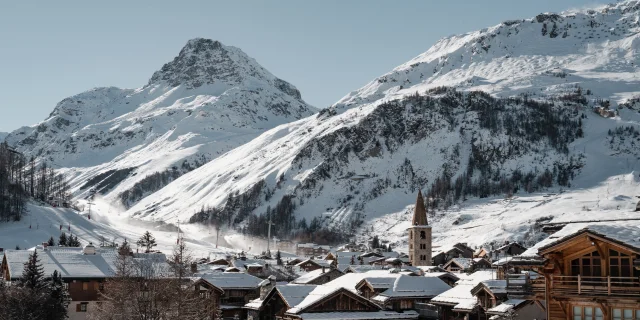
point(420, 212)
point(420, 235)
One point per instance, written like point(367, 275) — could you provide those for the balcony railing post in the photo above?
point(579, 284)
point(609, 285)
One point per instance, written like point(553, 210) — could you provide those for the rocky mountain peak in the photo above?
point(205, 61)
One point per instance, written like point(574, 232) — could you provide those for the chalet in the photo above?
point(458, 302)
point(294, 261)
point(311, 250)
point(401, 293)
point(317, 302)
point(83, 270)
point(509, 249)
point(516, 309)
point(231, 291)
point(219, 262)
point(444, 254)
point(327, 302)
point(466, 264)
point(589, 272)
point(448, 277)
point(310, 264)
point(319, 276)
point(481, 253)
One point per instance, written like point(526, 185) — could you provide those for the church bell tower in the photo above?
point(420, 235)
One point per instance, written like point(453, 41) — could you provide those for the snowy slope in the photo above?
point(45, 222)
point(366, 157)
point(208, 100)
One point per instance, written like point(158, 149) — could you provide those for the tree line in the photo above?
point(22, 178)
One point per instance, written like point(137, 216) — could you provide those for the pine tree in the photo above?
point(73, 241)
point(17, 247)
point(33, 273)
point(147, 241)
point(62, 241)
point(58, 298)
point(51, 242)
point(278, 258)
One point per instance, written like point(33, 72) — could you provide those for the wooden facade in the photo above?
point(589, 276)
point(342, 300)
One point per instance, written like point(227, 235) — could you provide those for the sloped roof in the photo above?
point(618, 232)
point(69, 262)
point(232, 280)
point(312, 275)
point(460, 296)
point(359, 315)
point(293, 294)
point(464, 263)
point(321, 263)
point(419, 212)
point(407, 286)
point(506, 306)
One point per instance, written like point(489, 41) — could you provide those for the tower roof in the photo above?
point(420, 212)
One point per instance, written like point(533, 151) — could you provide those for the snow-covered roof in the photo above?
point(493, 286)
point(294, 294)
point(621, 232)
point(506, 306)
point(408, 286)
point(359, 315)
point(464, 263)
point(311, 275)
point(232, 280)
point(320, 262)
point(69, 262)
point(359, 268)
point(460, 296)
point(317, 294)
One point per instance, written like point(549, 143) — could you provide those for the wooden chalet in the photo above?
point(319, 276)
point(402, 292)
point(509, 249)
point(310, 264)
point(83, 270)
point(591, 272)
point(466, 264)
point(442, 255)
point(231, 291)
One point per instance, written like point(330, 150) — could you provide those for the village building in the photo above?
point(420, 235)
point(83, 270)
point(589, 271)
point(403, 292)
point(311, 250)
point(509, 249)
point(319, 276)
point(443, 254)
point(481, 253)
point(230, 291)
point(466, 265)
point(310, 264)
point(458, 302)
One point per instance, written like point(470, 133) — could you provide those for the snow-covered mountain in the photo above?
point(129, 142)
point(521, 119)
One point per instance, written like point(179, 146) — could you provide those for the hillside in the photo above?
point(519, 121)
point(127, 143)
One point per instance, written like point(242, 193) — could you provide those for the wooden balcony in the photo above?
point(591, 286)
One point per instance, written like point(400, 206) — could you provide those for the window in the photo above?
point(81, 307)
point(626, 314)
point(85, 286)
point(620, 264)
point(423, 246)
point(588, 265)
point(423, 235)
point(423, 257)
point(587, 313)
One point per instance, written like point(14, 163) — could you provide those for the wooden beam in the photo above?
point(540, 305)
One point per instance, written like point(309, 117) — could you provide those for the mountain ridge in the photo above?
point(333, 167)
point(187, 114)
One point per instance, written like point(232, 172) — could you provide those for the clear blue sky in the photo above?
point(50, 50)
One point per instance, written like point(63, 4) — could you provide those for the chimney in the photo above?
point(323, 269)
point(194, 267)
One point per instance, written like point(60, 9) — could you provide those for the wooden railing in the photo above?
point(606, 286)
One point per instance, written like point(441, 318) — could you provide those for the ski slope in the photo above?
point(105, 223)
